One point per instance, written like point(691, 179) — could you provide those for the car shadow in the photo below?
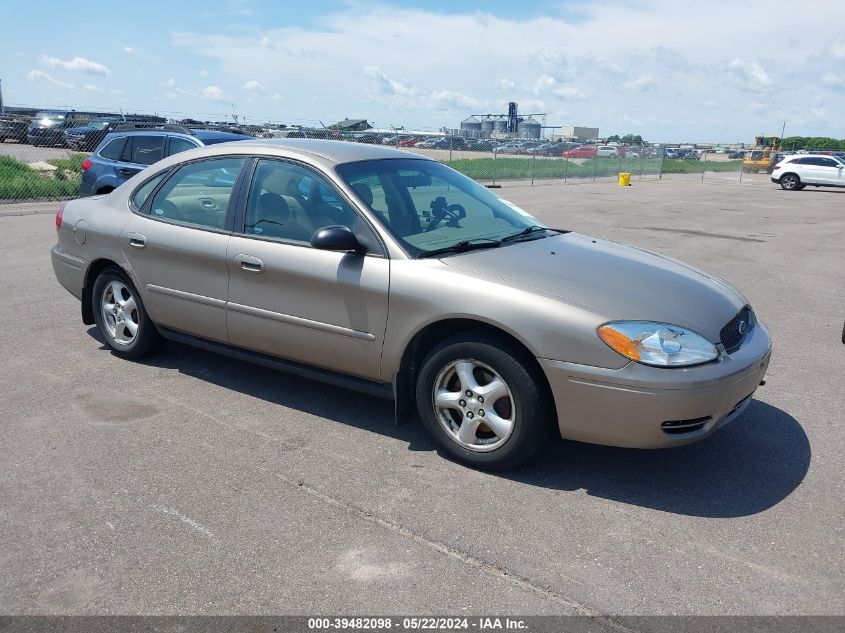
point(747, 467)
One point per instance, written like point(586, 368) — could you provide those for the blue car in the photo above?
point(130, 148)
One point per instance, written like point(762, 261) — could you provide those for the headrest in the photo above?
point(364, 192)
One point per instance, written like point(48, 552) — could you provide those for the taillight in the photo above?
point(59, 216)
point(86, 164)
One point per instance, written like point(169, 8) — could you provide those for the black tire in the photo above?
point(147, 339)
point(790, 182)
point(531, 404)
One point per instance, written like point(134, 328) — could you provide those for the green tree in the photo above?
point(812, 143)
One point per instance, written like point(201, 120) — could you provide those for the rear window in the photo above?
point(114, 148)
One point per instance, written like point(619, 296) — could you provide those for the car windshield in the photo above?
point(428, 206)
point(97, 125)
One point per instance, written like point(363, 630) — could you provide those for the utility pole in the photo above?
point(2, 108)
point(782, 129)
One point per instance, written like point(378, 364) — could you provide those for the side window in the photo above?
point(114, 148)
point(828, 162)
point(144, 150)
point(179, 144)
point(290, 202)
point(198, 193)
point(143, 192)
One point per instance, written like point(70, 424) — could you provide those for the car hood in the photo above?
point(611, 279)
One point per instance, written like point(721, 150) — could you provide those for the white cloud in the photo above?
point(203, 73)
point(169, 83)
point(45, 79)
point(129, 50)
point(92, 88)
point(751, 72)
point(830, 78)
point(78, 64)
point(215, 93)
point(548, 85)
point(386, 84)
point(641, 83)
point(504, 84)
point(257, 88)
point(366, 57)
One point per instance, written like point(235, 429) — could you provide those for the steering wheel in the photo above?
point(440, 211)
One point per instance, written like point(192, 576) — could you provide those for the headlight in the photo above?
point(657, 344)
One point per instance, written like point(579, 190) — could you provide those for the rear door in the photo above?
point(176, 245)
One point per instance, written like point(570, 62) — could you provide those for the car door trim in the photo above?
point(295, 320)
point(346, 381)
point(187, 296)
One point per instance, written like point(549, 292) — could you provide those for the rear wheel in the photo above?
point(790, 182)
point(483, 402)
point(121, 317)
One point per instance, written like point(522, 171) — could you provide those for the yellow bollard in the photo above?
point(624, 179)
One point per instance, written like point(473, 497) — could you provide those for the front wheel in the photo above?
point(121, 317)
point(790, 182)
point(483, 402)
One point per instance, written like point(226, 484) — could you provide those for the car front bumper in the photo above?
point(628, 407)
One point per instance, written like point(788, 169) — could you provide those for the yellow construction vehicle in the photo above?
point(760, 158)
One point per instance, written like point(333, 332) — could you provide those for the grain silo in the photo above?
point(529, 128)
point(471, 127)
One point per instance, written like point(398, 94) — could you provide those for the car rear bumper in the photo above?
point(69, 270)
point(648, 407)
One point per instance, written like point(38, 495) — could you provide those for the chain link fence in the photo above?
point(42, 154)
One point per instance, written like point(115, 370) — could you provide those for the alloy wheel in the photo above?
point(474, 405)
point(120, 313)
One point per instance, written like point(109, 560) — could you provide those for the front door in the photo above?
point(287, 299)
point(176, 247)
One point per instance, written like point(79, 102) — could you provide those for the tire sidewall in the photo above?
point(788, 178)
point(531, 416)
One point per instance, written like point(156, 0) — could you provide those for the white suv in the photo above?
point(796, 172)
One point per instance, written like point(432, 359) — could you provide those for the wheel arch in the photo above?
point(427, 336)
point(94, 269)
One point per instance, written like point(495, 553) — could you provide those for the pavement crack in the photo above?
point(463, 557)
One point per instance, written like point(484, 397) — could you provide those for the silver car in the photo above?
point(383, 271)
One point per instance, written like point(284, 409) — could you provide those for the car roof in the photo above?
point(334, 151)
point(208, 135)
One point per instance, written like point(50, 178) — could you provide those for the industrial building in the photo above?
point(502, 125)
point(577, 134)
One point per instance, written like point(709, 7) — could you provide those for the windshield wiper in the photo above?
point(528, 230)
point(463, 246)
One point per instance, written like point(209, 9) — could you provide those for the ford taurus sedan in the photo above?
point(386, 272)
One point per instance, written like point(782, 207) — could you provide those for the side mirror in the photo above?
point(337, 238)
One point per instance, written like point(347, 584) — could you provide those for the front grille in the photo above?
point(736, 330)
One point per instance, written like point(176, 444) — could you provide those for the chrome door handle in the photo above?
point(250, 264)
point(136, 240)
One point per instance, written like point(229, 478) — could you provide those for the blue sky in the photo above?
point(666, 70)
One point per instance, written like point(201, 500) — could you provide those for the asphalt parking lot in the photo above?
point(193, 484)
